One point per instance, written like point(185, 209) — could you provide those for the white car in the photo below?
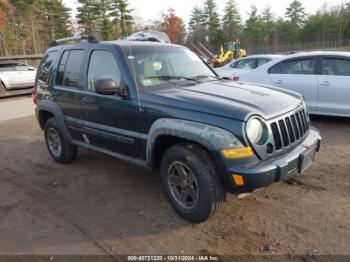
point(323, 78)
point(244, 65)
point(15, 75)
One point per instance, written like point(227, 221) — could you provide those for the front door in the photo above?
point(334, 86)
point(111, 121)
point(298, 75)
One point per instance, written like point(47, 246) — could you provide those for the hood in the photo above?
point(228, 99)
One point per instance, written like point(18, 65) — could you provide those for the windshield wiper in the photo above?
point(206, 76)
point(169, 77)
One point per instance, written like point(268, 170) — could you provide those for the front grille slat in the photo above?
point(276, 136)
point(302, 121)
point(295, 126)
point(299, 124)
point(290, 129)
point(284, 133)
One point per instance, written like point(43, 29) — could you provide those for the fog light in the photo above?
point(238, 179)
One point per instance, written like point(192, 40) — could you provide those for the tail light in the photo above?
point(235, 78)
point(34, 95)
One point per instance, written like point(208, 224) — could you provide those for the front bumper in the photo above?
point(276, 169)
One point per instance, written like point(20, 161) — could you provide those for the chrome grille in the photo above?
point(290, 129)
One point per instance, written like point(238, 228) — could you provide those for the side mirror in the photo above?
point(106, 87)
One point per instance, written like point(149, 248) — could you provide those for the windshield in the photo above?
point(159, 66)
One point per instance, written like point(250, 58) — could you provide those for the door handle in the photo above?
point(279, 82)
point(325, 83)
point(88, 100)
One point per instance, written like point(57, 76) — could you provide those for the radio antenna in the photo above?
point(131, 58)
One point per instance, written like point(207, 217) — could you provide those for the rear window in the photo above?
point(45, 68)
point(69, 68)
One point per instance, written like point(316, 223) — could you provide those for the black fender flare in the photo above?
point(55, 110)
point(211, 137)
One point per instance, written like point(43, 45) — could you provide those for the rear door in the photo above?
point(67, 89)
point(334, 86)
point(299, 75)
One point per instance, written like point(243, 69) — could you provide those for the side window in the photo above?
point(45, 68)
point(233, 65)
point(276, 69)
point(304, 66)
point(69, 68)
point(336, 66)
point(262, 61)
point(102, 66)
point(246, 64)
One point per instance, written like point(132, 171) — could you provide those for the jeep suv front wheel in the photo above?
point(191, 183)
point(60, 149)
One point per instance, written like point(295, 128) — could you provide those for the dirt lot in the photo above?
point(99, 205)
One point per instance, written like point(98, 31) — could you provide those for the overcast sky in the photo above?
point(152, 9)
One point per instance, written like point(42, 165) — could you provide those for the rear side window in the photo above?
point(69, 68)
point(102, 66)
point(299, 67)
point(45, 69)
point(336, 66)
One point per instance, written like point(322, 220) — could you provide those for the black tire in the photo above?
point(210, 193)
point(66, 152)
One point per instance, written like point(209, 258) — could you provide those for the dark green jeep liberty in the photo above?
point(160, 106)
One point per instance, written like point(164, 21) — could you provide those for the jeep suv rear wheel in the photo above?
point(191, 183)
point(60, 149)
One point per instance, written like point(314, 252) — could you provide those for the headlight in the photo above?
point(255, 130)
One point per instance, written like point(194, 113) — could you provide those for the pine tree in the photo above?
point(231, 21)
point(123, 19)
point(253, 27)
point(197, 25)
point(57, 17)
point(296, 14)
point(268, 25)
point(88, 16)
point(212, 21)
point(105, 26)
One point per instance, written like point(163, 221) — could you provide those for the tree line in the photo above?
point(263, 28)
point(28, 26)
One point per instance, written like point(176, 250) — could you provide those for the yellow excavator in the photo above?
point(228, 52)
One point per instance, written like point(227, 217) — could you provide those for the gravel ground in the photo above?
point(99, 205)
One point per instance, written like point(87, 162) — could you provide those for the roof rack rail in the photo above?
point(82, 39)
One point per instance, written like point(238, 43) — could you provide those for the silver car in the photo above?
point(244, 65)
point(322, 77)
point(15, 75)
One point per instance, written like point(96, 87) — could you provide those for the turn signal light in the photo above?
point(237, 152)
point(238, 179)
